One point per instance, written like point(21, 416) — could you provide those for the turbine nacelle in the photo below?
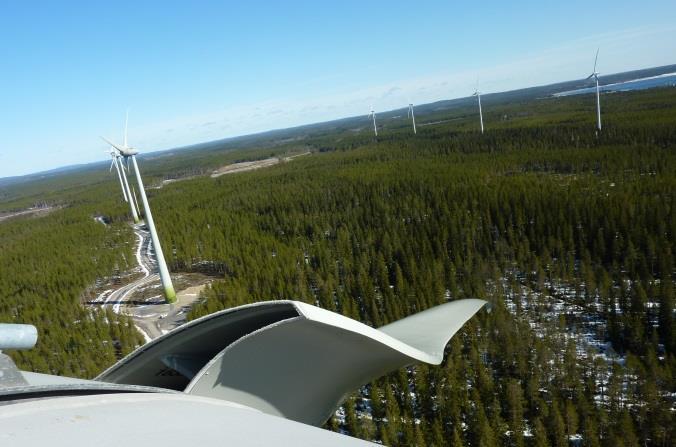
point(128, 152)
point(595, 74)
point(124, 151)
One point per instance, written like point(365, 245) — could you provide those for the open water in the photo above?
point(665, 80)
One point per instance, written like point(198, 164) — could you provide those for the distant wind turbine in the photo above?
point(129, 152)
point(595, 75)
point(126, 191)
point(412, 116)
point(477, 93)
point(372, 113)
point(114, 156)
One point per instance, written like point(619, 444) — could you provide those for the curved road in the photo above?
point(116, 298)
point(146, 261)
point(154, 317)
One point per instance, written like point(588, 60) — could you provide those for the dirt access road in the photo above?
point(142, 298)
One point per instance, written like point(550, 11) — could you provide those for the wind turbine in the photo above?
point(113, 154)
point(412, 116)
point(372, 113)
point(595, 75)
point(126, 190)
point(130, 153)
point(477, 93)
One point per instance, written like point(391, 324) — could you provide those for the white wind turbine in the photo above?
point(128, 152)
point(122, 176)
point(372, 113)
point(411, 115)
point(477, 93)
point(595, 75)
point(113, 155)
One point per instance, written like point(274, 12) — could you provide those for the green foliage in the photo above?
point(46, 263)
point(377, 230)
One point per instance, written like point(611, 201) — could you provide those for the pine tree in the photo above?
point(515, 412)
point(540, 434)
point(557, 427)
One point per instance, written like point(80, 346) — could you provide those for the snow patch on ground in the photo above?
point(101, 297)
point(553, 313)
point(146, 337)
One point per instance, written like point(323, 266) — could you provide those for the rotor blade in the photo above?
point(112, 162)
point(126, 123)
point(111, 143)
point(589, 77)
point(596, 59)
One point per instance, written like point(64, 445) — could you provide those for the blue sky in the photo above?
point(197, 71)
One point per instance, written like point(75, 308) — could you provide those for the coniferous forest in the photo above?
point(568, 234)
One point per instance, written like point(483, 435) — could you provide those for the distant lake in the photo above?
point(665, 80)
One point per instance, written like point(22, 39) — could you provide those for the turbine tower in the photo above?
point(595, 75)
point(372, 113)
point(126, 191)
point(477, 93)
point(129, 152)
point(412, 116)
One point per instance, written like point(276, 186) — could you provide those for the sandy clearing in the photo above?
point(26, 212)
point(245, 166)
point(252, 165)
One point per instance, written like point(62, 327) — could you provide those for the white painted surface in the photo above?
point(134, 420)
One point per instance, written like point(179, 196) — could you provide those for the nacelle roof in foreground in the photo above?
point(283, 358)
point(288, 358)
